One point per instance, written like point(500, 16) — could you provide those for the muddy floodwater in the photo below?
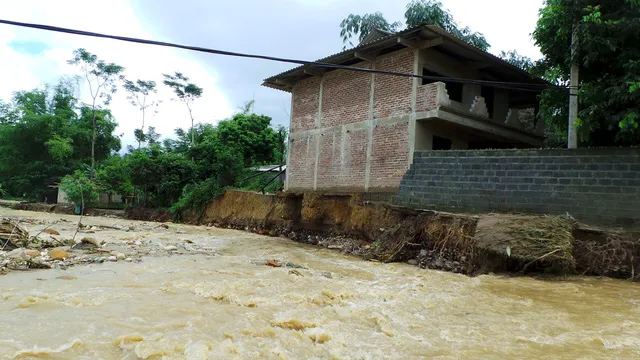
point(227, 304)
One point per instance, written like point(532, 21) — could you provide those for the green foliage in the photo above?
point(609, 61)
point(224, 153)
point(45, 135)
point(79, 188)
point(253, 137)
point(113, 177)
point(196, 197)
point(160, 175)
point(3, 192)
point(59, 148)
point(523, 62)
point(357, 25)
point(418, 12)
point(431, 12)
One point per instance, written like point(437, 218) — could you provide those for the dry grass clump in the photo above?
point(425, 231)
point(527, 243)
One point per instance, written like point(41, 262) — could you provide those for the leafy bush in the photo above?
point(79, 188)
point(196, 197)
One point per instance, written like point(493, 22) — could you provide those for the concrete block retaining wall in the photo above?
point(593, 185)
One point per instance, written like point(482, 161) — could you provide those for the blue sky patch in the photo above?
point(28, 47)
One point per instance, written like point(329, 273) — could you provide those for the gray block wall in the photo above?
point(600, 186)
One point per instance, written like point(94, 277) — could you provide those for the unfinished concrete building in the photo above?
point(357, 131)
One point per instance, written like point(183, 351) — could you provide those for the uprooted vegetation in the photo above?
point(608, 253)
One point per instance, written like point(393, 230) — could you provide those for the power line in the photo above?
point(497, 84)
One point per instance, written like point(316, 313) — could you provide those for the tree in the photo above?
point(159, 174)
point(79, 188)
point(609, 61)
point(46, 136)
point(362, 25)
point(59, 148)
point(417, 12)
point(255, 139)
point(523, 62)
point(185, 91)
point(144, 173)
point(101, 78)
point(113, 177)
point(139, 92)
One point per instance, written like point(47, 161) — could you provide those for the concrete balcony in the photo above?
point(509, 125)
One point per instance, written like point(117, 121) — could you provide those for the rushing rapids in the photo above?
point(319, 304)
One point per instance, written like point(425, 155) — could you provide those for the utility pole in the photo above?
point(572, 136)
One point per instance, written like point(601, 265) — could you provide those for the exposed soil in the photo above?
point(436, 240)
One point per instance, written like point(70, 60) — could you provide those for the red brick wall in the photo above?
point(426, 97)
point(345, 97)
point(302, 163)
point(392, 95)
point(356, 160)
point(329, 160)
point(342, 162)
point(389, 155)
point(305, 104)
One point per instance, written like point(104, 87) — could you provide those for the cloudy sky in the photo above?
point(302, 29)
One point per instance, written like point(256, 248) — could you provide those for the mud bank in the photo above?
point(460, 243)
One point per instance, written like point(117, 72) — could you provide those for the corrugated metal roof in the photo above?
point(351, 50)
point(267, 168)
point(339, 58)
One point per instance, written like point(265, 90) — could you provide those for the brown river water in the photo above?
point(339, 307)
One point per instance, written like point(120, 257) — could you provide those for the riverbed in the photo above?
point(319, 304)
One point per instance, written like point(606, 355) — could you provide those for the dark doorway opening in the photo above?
point(488, 93)
point(454, 89)
point(440, 143)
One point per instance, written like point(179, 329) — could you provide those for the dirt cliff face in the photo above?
point(454, 242)
point(375, 231)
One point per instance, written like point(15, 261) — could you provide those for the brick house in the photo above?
point(356, 131)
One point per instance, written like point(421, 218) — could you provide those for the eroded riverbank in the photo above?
point(228, 305)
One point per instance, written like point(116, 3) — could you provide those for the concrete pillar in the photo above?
point(469, 93)
point(317, 138)
point(367, 170)
point(500, 105)
point(424, 136)
point(286, 178)
point(414, 94)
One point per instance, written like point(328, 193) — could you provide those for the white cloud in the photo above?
point(507, 24)
point(21, 71)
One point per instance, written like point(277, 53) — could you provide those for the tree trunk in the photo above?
point(93, 140)
point(142, 128)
